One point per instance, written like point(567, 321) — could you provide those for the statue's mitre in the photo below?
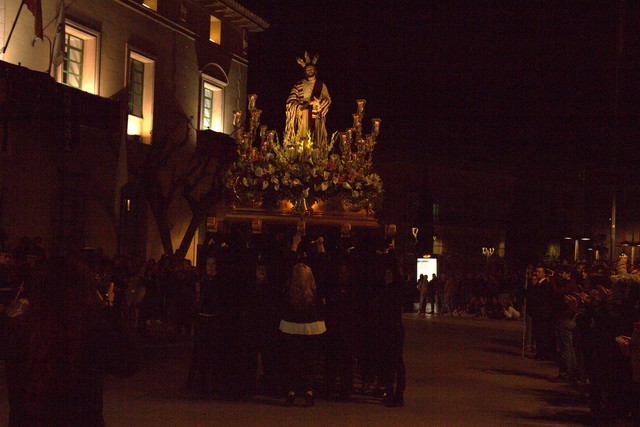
point(306, 61)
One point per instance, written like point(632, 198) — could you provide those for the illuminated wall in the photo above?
point(165, 34)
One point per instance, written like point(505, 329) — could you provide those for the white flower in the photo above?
point(245, 181)
point(265, 184)
point(305, 192)
point(259, 172)
point(326, 175)
point(346, 185)
point(296, 182)
point(324, 186)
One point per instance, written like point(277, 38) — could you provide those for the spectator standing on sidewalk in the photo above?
point(391, 335)
point(422, 289)
point(440, 293)
point(634, 349)
point(431, 291)
point(451, 289)
point(302, 326)
point(543, 329)
point(340, 334)
point(259, 330)
point(211, 332)
point(61, 348)
point(566, 309)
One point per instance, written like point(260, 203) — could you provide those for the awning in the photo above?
point(236, 14)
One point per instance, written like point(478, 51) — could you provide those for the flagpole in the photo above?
point(13, 27)
point(616, 125)
point(55, 45)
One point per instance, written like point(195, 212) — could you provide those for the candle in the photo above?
point(237, 118)
point(360, 103)
point(350, 134)
point(255, 116)
point(356, 120)
point(252, 101)
point(376, 126)
point(263, 132)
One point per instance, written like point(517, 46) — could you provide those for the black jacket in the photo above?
point(106, 351)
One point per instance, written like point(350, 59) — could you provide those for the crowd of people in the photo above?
point(480, 295)
point(292, 319)
point(298, 321)
point(60, 336)
point(289, 319)
point(584, 317)
point(587, 320)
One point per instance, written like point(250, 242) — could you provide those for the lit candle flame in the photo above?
point(237, 118)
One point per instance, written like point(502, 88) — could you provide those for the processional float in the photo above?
point(306, 176)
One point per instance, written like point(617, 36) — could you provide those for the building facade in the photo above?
point(129, 72)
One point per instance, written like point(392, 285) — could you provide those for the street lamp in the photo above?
point(633, 245)
point(488, 252)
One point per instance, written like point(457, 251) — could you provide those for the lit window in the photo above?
point(141, 77)
point(80, 66)
point(211, 108)
point(214, 29)
point(151, 4)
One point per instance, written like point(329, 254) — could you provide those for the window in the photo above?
point(151, 4)
point(211, 107)
point(73, 59)
point(80, 66)
point(214, 29)
point(136, 87)
point(141, 77)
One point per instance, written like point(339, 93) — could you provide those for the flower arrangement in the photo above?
point(298, 168)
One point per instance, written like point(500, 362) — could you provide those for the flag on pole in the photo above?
point(35, 7)
point(59, 40)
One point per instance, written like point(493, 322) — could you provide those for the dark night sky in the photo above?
point(508, 77)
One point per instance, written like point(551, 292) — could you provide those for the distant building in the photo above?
point(131, 69)
point(458, 206)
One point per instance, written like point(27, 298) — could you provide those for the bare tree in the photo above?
point(173, 167)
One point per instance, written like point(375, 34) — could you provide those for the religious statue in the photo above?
point(307, 105)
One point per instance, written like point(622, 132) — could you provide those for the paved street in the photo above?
point(460, 372)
